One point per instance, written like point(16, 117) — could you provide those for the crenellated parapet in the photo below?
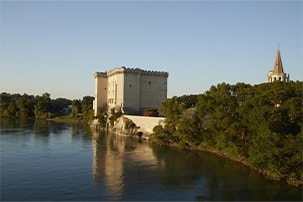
point(146, 72)
point(100, 74)
point(124, 70)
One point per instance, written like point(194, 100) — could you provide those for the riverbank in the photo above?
point(239, 160)
point(66, 120)
point(122, 128)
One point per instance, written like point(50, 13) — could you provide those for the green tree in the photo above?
point(260, 123)
point(114, 116)
point(102, 116)
point(87, 108)
point(43, 106)
point(25, 104)
point(60, 106)
point(87, 103)
point(187, 131)
point(76, 107)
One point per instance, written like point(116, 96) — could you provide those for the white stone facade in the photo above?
point(132, 89)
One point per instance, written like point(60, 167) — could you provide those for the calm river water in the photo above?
point(48, 161)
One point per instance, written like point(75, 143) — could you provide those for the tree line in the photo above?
point(260, 125)
point(42, 107)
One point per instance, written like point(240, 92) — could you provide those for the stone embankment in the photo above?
point(129, 125)
point(145, 123)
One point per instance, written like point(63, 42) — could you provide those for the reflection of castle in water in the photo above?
point(110, 162)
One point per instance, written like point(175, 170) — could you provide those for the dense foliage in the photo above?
point(41, 107)
point(260, 125)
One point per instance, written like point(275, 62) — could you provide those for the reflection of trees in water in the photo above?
point(45, 128)
point(192, 171)
point(13, 125)
point(179, 167)
point(215, 178)
point(81, 130)
point(42, 128)
point(58, 128)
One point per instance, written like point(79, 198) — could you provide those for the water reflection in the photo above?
point(120, 168)
point(81, 132)
point(210, 177)
point(43, 128)
point(129, 169)
point(107, 168)
point(15, 126)
point(114, 157)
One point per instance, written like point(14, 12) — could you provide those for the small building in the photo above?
point(131, 89)
point(277, 74)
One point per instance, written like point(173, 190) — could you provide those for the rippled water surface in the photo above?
point(48, 161)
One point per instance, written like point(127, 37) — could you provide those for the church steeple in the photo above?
point(278, 67)
point(277, 73)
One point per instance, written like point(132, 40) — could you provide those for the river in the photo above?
point(50, 161)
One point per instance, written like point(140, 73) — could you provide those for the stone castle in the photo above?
point(134, 90)
point(277, 74)
point(131, 89)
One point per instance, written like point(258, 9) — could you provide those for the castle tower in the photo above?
point(133, 90)
point(100, 91)
point(277, 74)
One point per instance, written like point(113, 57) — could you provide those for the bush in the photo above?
point(114, 116)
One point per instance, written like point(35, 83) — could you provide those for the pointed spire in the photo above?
point(278, 67)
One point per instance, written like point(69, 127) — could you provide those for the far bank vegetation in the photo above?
point(43, 107)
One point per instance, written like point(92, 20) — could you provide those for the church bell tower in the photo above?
point(277, 74)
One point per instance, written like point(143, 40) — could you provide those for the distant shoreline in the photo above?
point(65, 120)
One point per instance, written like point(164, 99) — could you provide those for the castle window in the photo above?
point(279, 78)
point(149, 82)
point(130, 85)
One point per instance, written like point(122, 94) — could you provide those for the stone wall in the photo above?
point(145, 123)
point(136, 125)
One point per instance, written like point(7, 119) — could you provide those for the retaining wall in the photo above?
point(145, 123)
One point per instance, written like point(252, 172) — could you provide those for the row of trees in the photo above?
point(261, 125)
point(41, 107)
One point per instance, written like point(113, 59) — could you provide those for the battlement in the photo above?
point(145, 72)
point(124, 70)
point(100, 74)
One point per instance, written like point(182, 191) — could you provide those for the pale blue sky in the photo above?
point(57, 46)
